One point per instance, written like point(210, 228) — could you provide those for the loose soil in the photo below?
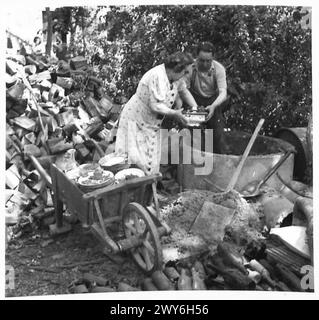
point(48, 266)
point(50, 270)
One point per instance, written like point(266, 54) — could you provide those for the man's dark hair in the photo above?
point(205, 47)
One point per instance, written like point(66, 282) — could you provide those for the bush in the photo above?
point(266, 53)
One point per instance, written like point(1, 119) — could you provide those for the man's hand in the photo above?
point(210, 110)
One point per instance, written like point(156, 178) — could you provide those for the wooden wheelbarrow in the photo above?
point(130, 206)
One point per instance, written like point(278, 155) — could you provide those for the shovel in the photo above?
point(236, 174)
point(203, 215)
point(253, 188)
point(238, 169)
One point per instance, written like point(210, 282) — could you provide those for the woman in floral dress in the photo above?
point(138, 135)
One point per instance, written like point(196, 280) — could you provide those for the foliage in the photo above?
point(266, 53)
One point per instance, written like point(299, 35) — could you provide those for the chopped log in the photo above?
point(289, 277)
point(30, 137)
point(94, 127)
point(126, 287)
point(231, 257)
point(38, 77)
point(69, 129)
point(31, 149)
point(37, 93)
point(65, 118)
point(12, 177)
point(56, 93)
point(82, 151)
point(11, 114)
point(25, 123)
point(12, 67)
point(78, 62)
point(50, 122)
point(148, 285)
point(19, 58)
point(30, 69)
point(23, 188)
point(10, 80)
point(161, 281)
point(57, 145)
point(45, 96)
point(16, 91)
point(64, 82)
point(92, 107)
point(45, 84)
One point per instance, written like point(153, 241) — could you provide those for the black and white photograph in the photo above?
point(158, 147)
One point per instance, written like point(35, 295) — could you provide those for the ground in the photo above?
point(47, 266)
point(49, 269)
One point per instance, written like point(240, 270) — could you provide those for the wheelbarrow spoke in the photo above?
point(144, 257)
point(147, 254)
point(149, 247)
point(137, 223)
point(147, 259)
point(138, 256)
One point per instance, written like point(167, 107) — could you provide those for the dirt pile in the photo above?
point(180, 213)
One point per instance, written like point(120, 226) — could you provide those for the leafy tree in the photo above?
point(266, 53)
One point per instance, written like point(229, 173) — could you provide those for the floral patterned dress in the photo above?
point(138, 136)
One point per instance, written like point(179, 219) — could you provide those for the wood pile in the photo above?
point(51, 107)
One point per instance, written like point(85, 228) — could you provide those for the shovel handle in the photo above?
point(235, 176)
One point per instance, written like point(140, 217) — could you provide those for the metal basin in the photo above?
point(265, 153)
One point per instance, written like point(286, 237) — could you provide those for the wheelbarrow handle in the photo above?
point(41, 170)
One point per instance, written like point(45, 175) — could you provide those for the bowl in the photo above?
point(88, 167)
point(113, 163)
point(90, 181)
point(128, 174)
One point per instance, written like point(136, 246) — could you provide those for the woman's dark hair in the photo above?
point(205, 47)
point(178, 61)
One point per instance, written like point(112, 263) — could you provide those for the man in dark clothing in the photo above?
point(207, 83)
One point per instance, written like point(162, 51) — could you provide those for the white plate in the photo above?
point(111, 160)
point(121, 175)
point(107, 174)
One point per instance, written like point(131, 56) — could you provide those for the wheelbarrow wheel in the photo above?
point(137, 222)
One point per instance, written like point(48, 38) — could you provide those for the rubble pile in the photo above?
point(238, 242)
point(52, 107)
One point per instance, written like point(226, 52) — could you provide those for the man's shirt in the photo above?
point(207, 84)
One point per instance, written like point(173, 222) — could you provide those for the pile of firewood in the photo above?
point(51, 107)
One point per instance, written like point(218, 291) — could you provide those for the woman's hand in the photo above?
point(180, 117)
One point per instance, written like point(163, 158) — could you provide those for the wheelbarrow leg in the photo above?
point(155, 199)
point(58, 227)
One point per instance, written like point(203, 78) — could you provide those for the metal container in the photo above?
point(265, 153)
point(195, 118)
point(298, 138)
